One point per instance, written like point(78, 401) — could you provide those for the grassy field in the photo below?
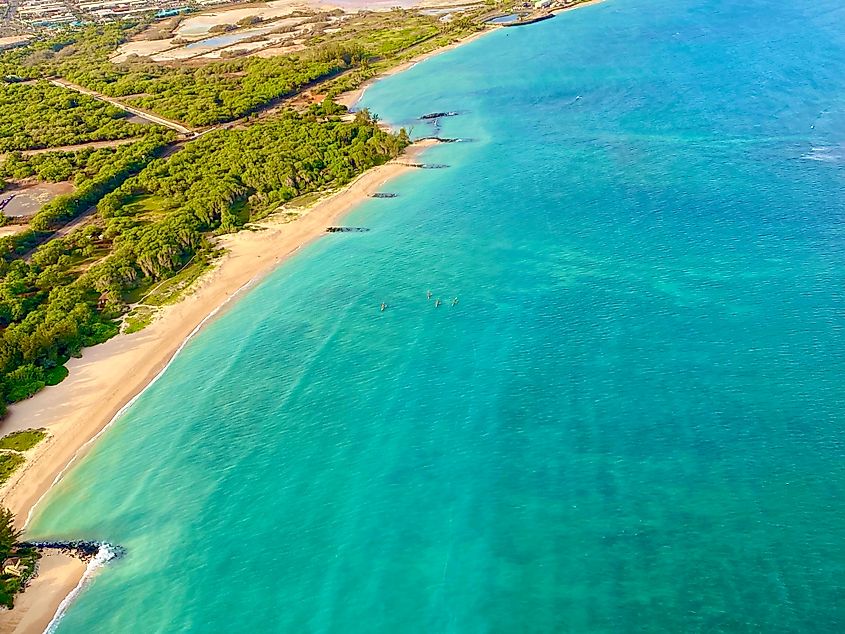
point(22, 440)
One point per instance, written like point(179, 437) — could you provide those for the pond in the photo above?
point(504, 19)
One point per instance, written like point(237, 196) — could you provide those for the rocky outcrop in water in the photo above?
point(438, 115)
point(80, 549)
point(427, 166)
point(441, 139)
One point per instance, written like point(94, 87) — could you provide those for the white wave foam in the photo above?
point(103, 556)
point(825, 158)
point(822, 153)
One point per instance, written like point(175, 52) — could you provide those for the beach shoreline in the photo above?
point(59, 574)
point(352, 97)
point(204, 300)
point(107, 378)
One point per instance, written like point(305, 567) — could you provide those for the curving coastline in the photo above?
point(107, 378)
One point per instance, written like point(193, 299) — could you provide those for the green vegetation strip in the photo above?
point(9, 462)
point(149, 238)
point(22, 440)
point(230, 89)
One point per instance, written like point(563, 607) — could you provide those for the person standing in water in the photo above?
point(383, 307)
point(455, 302)
point(437, 302)
point(428, 295)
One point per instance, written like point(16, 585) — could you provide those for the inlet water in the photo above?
point(632, 419)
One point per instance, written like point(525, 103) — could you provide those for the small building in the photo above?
point(12, 566)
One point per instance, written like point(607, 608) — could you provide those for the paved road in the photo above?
point(140, 113)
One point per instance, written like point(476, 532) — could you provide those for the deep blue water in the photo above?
point(633, 419)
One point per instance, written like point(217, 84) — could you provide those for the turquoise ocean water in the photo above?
point(631, 422)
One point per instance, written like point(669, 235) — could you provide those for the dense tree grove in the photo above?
point(98, 172)
point(48, 313)
point(42, 115)
point(220, 91)
point(131, 159)
point(71, 290)
point(78, 166)
point(229, 90)
point(263, 165)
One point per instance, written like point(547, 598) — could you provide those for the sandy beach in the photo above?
point(106, 378)
point(58, 575)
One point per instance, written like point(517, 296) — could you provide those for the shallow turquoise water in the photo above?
point(631, 422)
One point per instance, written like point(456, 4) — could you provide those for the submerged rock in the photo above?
point(437, 115)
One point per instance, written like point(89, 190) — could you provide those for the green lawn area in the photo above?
point(22, 440)
point(137, 319)
point(148, 207)
point(9, 461)
point(170, 290)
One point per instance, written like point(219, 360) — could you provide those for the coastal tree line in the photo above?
point(60, 294)
point(72, 291)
